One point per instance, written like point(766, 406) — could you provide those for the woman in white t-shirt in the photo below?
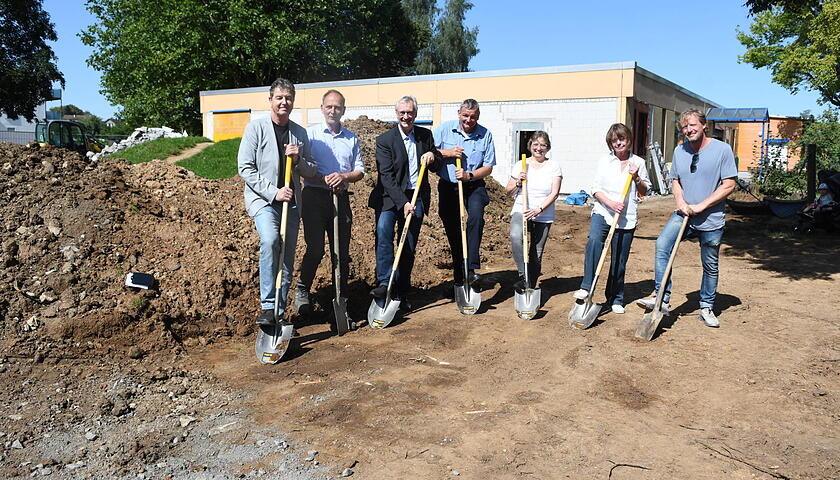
point(607, 189)
point(544, 177)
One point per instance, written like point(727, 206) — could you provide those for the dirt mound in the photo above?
point(75, 228)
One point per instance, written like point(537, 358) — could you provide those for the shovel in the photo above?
point(273, 340)
point(342, 322)
point(380, 317)
point(528, 302)
point(648, 325)
point(584, 312)
point(468, 300)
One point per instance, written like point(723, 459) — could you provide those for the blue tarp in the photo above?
point(577, 198)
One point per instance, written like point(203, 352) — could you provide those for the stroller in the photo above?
point(823, 215)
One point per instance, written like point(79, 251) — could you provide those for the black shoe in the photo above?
point(266, 318)
point(380, 291)
point(302, 305)
point(519, 285)
point(405, 305)
point(475, 281)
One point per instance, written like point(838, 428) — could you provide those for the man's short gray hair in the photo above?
point(407, 99)
point(469, 104)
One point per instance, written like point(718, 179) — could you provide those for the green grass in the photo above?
point(158, 149)
point(216, 161)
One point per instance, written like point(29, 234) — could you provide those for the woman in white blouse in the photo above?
point(544, 177)
point(607, 189)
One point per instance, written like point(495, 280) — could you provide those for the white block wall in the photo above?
point(385, 113)
point(576, 127)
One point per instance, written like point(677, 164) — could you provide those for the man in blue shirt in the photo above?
point(338, 157)
point(473, 143)
point(703, 174)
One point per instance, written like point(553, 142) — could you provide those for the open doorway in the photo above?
point(641, 126)
point(524, 135)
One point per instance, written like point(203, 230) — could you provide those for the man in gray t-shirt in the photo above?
point(703, 174)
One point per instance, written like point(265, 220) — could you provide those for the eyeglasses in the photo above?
point(694, 159)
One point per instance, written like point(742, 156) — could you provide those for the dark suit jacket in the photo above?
point(392, 167)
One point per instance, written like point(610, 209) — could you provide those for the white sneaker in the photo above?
point(617, 309)
point(649, 302)
point(581, 294)
point(709, 318)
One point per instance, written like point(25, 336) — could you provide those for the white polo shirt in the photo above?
point(609, 179)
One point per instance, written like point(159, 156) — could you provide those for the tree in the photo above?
point(448, 45)
point(758, 6)
point(93, 124)
point(157, 55)
point(799, 42)
point(422, 14)
point(69, 109)
point(824, 132)
point(27, 63)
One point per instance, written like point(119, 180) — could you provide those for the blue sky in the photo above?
point(693, 45)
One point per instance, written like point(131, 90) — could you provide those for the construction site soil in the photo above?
point(100, 380)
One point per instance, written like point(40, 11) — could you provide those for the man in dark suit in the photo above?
point(399, 152)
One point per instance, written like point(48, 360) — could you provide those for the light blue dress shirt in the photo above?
point(479, 150)
point(334, 152)
point(411, 149)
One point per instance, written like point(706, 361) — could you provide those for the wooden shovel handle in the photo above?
point(463, 212)
point(525, 247)
point(610, 234)
point(408, 220)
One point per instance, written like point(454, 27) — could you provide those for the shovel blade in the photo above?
point(381, 316)
point(342, 322)
point(468, 300)
point(648, 325)
point(527, 303)
point(583, 314)
point(273, 342)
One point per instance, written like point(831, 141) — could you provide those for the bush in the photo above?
point(780, 183)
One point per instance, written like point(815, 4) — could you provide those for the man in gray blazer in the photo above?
point(261, 160)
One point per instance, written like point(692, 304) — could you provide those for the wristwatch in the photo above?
point(471, 175)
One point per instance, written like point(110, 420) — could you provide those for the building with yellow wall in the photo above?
point(780, 132)
point(574, 104)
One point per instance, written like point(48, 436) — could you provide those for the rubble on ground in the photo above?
point(140, 135)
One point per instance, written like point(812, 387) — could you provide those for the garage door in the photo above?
point(229, 124)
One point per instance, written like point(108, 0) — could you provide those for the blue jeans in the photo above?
point(475, 199)
point(267, 221)
point(386, 220)
point(620, 248)
point(709, 252)
point(538, 236)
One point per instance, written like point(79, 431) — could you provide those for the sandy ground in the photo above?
point(492, 396)
point(99, 381)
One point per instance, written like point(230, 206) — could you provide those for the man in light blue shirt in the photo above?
point(703, 174)
point(338, 157)
point(473, 143)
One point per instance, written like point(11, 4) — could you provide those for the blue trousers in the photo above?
point(475, 199)
point(267, 221)
point(709, 253)
point(386, 220)
point(620, 252)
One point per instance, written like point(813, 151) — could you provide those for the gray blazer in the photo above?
point(259, 160)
